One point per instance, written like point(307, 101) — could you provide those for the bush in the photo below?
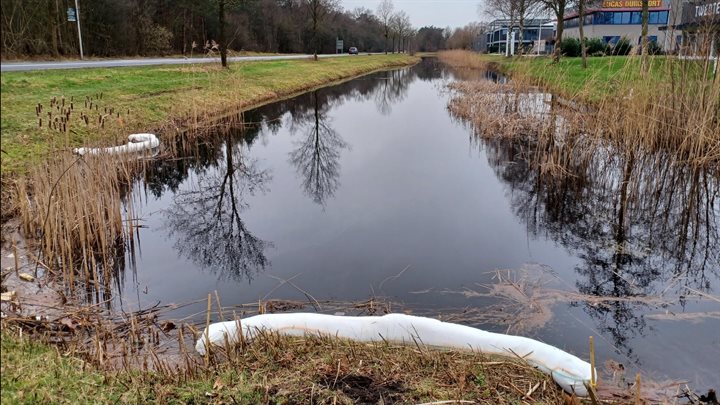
point(159, 40)
point(621, 47)
point(594, 46)
point(570, 47)
point(654, 48)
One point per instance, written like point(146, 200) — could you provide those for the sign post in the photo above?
point(339, 47)
point(74, 15)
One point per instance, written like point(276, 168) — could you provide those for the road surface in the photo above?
point(28, 66)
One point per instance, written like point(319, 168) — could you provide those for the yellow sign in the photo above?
point(630, 3)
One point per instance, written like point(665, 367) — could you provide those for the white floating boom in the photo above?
point(136, 143)
point(568, 371)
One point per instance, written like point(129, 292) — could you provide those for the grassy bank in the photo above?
point(604, 77)
point(279, 370)
point(118, 101)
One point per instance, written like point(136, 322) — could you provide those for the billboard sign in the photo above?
point(630, 3)
point(707, 12)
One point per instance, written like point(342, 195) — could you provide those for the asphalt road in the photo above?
point(28, 66)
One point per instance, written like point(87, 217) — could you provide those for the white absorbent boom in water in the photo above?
point(568, 371)
point(136, 143)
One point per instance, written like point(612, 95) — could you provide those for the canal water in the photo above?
point(371, 188)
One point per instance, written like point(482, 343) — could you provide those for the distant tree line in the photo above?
point(156, 27)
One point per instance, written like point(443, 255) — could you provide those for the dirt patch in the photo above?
point(364, 389)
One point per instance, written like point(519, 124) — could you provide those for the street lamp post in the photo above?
point(77, 13)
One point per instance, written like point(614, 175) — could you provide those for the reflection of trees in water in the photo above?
point(205, 220)
point(642, 224)
point(317, 155)
point(392, 88)
point(196, 155)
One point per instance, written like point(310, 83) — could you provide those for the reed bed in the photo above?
point(674, 108)
point(466, 60)
point(680, 114)
point(77, 212)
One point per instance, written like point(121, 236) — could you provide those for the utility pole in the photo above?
point(77, 13)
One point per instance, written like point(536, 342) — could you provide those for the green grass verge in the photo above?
point(153, 95)
point(604, 77)
point(35, 373)
point(277, 370)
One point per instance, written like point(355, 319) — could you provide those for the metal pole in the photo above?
point(539, 38)
point(77, 13)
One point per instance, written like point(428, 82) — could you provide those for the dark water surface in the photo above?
point(347, 186)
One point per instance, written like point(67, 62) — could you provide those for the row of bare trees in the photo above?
point(396, 26)
point(155, 27)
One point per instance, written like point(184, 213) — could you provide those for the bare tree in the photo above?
point(410, 40)
point(464, 37)
point(318, 10)
point(399, 24)
point(507, 10)
point(525, 9)
point(402, 27)
point(384, 11)
point(557, 7)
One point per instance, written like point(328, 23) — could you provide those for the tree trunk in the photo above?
point(583, 48)
point(184, 38)
point(221, 21)
point(521, 32)
point(560, 14)
point(507, 38)
point(59, 28)
point(315, 41)
point(644, 38)
point(53, 23)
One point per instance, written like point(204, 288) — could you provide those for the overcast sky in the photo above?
point(440, 13)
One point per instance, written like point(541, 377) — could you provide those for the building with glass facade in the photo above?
point(620, 18)
point(537, 36)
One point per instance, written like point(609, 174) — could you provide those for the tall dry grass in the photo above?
point(680, 114)
point(674, 109)
point(77, 211)
point(466, 60)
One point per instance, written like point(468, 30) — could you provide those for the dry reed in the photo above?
point(679, 114)
point(78, 211)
